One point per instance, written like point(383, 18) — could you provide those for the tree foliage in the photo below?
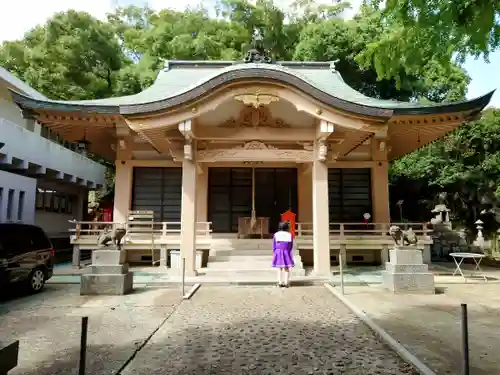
point(422, 30)
point(75, 56)
point(465, 163)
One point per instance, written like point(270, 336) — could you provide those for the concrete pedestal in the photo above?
point(108, 274)
point(405, 273)
point(176, 263)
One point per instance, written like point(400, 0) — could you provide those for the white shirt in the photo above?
point(283, 236)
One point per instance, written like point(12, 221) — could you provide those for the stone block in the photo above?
point(163, 256)
point(406, 272)
point(109, 269)
point(175, 259)
point(409, 283)
point(405, 255)
point(106, 284)
point(406, 268)
point(9, 354)
point(108, 257)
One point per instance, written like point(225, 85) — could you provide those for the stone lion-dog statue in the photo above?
point(403, 237)
point(114, 236)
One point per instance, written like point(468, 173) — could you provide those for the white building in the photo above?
point(43, 181)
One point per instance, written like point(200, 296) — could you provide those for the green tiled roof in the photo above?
point(181, 76)
point(182, 81)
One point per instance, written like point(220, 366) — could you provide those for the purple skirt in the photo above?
point(283, 258)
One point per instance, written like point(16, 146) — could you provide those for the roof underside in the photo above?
point(185, 81)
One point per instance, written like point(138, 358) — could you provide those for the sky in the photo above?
point(22, 15)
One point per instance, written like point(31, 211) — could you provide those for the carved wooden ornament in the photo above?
point(255, 151)
point(185, 128)
point(252, 117)
point(257, 100)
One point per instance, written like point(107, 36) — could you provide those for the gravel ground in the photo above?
point(265, 330)
point(48, 328)
point(429, 326)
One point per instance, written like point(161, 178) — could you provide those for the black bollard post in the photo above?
point(83, 345)
point(465, 341)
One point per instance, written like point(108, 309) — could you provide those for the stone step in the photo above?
point(241, 244)
point(250, 273)
point(232, 264)
point(245, 265)
point(267, 247)
point(243, 252)
point(245, 258)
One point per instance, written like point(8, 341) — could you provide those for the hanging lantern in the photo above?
point(82, 144)
point(366, 217)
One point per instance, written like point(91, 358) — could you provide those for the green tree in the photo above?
point(336, 39)
point(465, 163)
point(72, 56)
point(422, 30)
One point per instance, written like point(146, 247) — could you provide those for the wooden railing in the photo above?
point(136, 229)
point(361, 229)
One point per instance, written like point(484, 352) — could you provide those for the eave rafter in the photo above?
point(407, 134)
point(351, 142)
point(97, 129)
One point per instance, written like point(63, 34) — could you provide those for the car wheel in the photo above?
point(36, 280)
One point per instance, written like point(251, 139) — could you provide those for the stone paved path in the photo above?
point(264, 330)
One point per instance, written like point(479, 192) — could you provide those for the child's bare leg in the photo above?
point(280, 279)
point(287, 276)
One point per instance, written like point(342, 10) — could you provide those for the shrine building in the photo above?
point(218, 150)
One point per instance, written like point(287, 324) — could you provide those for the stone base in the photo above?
point(107, 284)
point(405, 273)
point(409, 283)
point(175, 260)
point(108, 274)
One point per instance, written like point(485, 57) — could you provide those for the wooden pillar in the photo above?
point(202, 193)
point(321, 225)
point(123, 191)
point(380, 179)
point(188, 203)
point(380, 192)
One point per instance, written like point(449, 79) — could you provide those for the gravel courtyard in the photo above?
point(222, 330)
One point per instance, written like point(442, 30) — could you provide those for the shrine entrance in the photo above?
point(230, 195)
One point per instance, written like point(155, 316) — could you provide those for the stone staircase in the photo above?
point(252, 257)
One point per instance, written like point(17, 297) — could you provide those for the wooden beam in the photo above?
point(244, 134)
point(349, 144)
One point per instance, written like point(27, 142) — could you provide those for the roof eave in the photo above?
point(261, 74)
point(474, 105)
point(26, 102)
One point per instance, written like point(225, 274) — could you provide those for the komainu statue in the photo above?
point(403, 237)
point(114, 236)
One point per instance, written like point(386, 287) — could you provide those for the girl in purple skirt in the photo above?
point(283, 257)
